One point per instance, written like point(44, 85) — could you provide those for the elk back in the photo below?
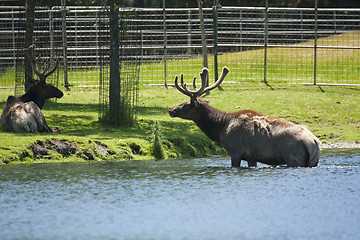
point(18, 116)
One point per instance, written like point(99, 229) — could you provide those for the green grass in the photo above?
point(285, 65)
point(332, 113)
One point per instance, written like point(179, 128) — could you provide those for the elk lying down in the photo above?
point(246, 134)
point(23, 114)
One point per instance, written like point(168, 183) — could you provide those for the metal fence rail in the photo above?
point(273, 44)
point(290, 43)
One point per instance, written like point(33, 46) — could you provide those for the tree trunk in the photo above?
point(29, 35)
point(114, 89)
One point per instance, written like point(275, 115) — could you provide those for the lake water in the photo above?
point(181, 199)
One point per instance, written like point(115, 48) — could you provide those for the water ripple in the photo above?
point(181, 199)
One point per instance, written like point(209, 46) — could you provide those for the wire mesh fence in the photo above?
point(12, 45)
point(129, 67)
point(288, 45)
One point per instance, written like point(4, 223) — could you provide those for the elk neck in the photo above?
point(32, 96)
point(211, 121)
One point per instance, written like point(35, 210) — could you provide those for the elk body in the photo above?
point(246, 134)
point(23, 114)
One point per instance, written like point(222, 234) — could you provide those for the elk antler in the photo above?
point(30, 52)
point(204, 81)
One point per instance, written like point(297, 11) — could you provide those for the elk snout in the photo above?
point(176, 111)
point(172, 112)
point(59, 94)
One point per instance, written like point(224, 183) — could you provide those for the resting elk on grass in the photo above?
point(246, 134)
point(23, 114)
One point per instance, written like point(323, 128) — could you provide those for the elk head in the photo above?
point(39, 90)
point(189, 109)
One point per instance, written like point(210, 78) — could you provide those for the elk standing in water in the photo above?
point(23, 114)
point(246, 134)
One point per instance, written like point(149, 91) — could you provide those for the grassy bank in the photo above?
point(332, 113)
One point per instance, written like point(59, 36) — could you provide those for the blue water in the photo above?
point(181, 199)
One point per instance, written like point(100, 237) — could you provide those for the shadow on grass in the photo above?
point(81, 120)
point(269, 85)
point(152, 111)
point(78, 107)
point(55, 106)
point(94, 108)
point(183, 138)
point(84, 125)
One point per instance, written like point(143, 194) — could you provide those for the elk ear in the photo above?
point(196, 103)
point(32, 82)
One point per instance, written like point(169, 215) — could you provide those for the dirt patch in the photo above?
point(64, 147)
point(49, 148)
point(43, 149)
point(39, 149)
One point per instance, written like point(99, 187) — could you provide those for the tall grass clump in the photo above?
point(157, 149)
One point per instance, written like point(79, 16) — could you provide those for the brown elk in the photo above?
point(23, 114)
point(246, 134)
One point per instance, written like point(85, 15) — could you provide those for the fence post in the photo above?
point(301, 25)
point(165, 43)
point(265, 40)
point(203, 34)
point(315, 40)
point(189, 35)
point(13, 36)
point(51, 32)
point(97, 38)
point(63, 14)
point(29, 35)
point(335, 22)
point(240, 31)
point(142, 44)
point(215, 26)
point(76, 42)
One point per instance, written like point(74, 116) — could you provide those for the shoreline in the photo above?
point(70, 150)
point(338, 145)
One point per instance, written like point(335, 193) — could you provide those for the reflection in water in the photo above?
point(181, 199)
